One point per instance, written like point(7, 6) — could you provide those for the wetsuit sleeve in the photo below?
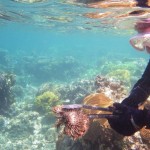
point(141, 90)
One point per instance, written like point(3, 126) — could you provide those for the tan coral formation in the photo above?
point(97, 99)
point(145, 134)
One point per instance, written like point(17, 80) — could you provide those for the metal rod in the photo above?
point(79, 106)
point(110, 109)
point(98, 116)
point(72, 106)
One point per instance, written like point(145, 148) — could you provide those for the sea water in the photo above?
point(50, 44)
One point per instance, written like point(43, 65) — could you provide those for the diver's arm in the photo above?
point(141, 90)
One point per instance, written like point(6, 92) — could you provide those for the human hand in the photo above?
point(128, 120)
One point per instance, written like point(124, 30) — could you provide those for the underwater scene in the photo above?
point(67, 53)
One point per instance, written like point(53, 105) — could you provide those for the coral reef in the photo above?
point(6, 95)
point(124, 70)
point(121, 74)
point(43, 69)
point(21, 126)
point(18, 91)
point(26, 130)
point(112, 88)
point(45, 101)
point(27, 127)
point(97, 99)
point(100, 135)
point(100, 138)
point(76, 91)
point(48, 86)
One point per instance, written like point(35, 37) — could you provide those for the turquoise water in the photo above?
point(58, 28)
point(50, 46)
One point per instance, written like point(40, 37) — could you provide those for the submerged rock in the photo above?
point(6, 95)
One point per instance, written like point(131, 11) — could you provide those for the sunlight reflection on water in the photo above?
point(64, 16)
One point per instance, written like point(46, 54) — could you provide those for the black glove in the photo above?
point(128, 120)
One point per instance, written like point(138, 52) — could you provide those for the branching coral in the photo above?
point(46, 100)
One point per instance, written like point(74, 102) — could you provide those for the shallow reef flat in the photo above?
point(28, 127)
point(29, 123)
point(26, 130)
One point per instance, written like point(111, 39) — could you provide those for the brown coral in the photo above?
point(145, 134)
point(97, 99)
